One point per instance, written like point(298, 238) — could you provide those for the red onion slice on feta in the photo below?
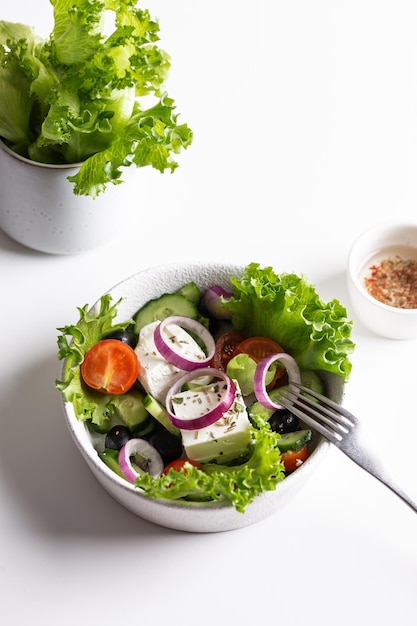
point(167, 348)
point(225, 402)
point(293, 372)
point(150, 462)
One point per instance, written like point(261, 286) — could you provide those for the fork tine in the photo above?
point(327, 414)
point(317, 414)
point(310, 421)
point(327, 402)
point(340, 428)
point(332, 423)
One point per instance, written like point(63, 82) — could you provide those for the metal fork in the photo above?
point(339, 427)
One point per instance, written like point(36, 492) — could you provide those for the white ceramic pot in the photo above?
point(39, 209)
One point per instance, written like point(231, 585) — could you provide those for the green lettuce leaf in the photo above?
point(15, 82)
point(73, 344)
point(149, 138)
point(78, 96)
point(237, 484)
point(287, 309)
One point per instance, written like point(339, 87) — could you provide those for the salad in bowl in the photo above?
point(171, 386)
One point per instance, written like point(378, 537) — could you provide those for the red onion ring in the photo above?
point(155, 464)
point(211, 416)
point(212, 301)
point(293, 371)
point(171, 355)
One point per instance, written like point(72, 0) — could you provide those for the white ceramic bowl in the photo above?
point(185, 516)
point(370, 248)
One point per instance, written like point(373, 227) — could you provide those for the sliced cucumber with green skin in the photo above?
point(191, 292)
point(312, 381)
point(257, 408)
point(111, 459)
point(294, 441)
point(146, 428)
point(158, 411)
point(163, 307)
point(130, 409)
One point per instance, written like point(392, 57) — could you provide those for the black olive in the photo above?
point(283, 421)
point(168, 445)
point(125, 335)
point(117, 437)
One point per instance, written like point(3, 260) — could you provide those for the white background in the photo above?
point(305, 133)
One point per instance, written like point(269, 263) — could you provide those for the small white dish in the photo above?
point(189, 516)
point(374, 246)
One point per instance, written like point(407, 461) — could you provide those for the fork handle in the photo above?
point(376, 470)
point(388, 482)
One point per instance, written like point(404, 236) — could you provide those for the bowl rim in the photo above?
point(40, 164)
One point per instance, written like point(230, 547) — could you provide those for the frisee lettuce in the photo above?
point(287, 309)
point(79, 96)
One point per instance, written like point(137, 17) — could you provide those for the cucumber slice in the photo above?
point(312, 380)
point(259, 409)
point(130, 409)
point(295, 440)
point(158, 411)
point(163, 307)
point(191, 292)
point(146, 427)
point(111, 459)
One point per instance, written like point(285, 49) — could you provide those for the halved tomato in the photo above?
point(225, 346)
point(178, 465)
point(258, 348)
point(110, 366)
point(294, 458)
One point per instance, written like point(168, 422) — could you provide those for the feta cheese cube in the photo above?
point(156, 375)
point(222, 441)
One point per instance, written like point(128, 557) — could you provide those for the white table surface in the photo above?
point(305, 123)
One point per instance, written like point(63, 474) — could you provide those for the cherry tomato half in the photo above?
point(258, 348)
point(294, 458)
point(178, 465)
point(225, 346)
point(110, 366)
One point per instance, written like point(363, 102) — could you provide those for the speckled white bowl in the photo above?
point(39, 209)
point(186, 516)
point(372, 246)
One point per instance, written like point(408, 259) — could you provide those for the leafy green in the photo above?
point(238, 484)
point(91, 327)
point(287, 309)
point(82, 95)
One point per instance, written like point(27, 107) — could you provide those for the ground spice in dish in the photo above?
point(394, 282)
